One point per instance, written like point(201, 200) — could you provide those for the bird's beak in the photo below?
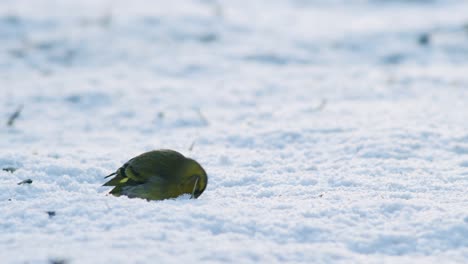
point(195, 187)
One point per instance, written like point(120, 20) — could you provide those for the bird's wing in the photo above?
point(147, 175)
point(154, 189)
point(163, 163)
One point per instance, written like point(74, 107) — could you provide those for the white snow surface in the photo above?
point(330, 131)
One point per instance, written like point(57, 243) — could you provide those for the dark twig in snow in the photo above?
point(202, 117)
point(10, 169)
point(51, 213)
point(58, 261)
point(27, 181)
point(424, 39)
point(192, 146)
point(14, 116)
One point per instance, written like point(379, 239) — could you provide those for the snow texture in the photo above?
point(331, 131)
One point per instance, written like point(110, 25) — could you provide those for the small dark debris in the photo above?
point(45, 72)
point(46, 45)
point(161, 115)
point(58, 261)
point(14, 116)
point(10, 169)
point(192, 146)
point(27, 181)
point(51, 213)
point(17, 53)
point(12, 19)
point(9, 199)
point(424, 39)
point(321, 195)
point(393, 59)
point(202, 117)
point(209, 37)
point(73, 99)
point(274, 59)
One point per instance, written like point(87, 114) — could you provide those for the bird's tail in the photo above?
point(114, 173)
point(114, 181)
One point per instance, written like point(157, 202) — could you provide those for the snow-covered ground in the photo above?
point(332, 131)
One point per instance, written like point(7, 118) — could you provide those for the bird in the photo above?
point(158, 175)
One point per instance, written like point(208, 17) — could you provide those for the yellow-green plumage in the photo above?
point(158, 175)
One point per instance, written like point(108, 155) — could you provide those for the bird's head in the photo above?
point(195, 177)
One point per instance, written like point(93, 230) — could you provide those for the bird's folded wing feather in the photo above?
point(161, 163)
point(153, 189)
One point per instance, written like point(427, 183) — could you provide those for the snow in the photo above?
point(330, 132)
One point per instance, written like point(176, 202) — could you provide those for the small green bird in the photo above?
point(157, 175)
